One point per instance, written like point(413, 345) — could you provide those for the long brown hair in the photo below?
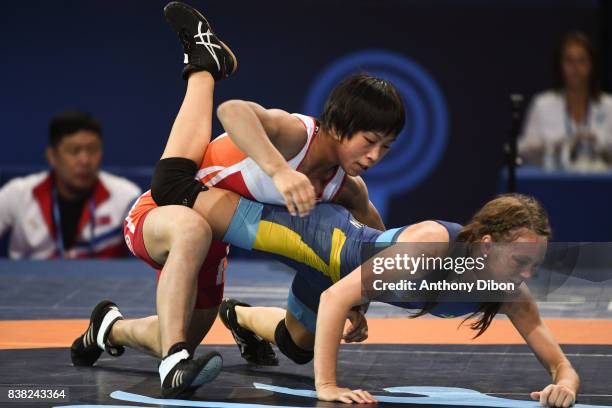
point(501, 218)
point(581, 39)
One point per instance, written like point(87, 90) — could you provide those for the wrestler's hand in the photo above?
point(555, 395)
point(296, 189)
point(346, 395)
point(357, 331)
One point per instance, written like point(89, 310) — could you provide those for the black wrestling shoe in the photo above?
point(253, 348)
point(203, 49)
point(88, 347)
point(179, 373)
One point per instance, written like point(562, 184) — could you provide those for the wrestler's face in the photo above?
point(515, 261)
point(76, 160)
point(363, 150)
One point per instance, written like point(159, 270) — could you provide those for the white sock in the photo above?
point(170, 361)
point(111, 316)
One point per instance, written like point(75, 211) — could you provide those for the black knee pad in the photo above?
point(174, 182)
point(285, 344)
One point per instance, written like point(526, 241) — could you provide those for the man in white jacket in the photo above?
point(74, 210)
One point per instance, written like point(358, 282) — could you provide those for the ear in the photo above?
point(334, 134)
point(486, 243)
point(50, 155)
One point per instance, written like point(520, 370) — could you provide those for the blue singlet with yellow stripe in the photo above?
point(322, 248)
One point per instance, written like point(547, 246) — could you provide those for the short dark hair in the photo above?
point(580, 38)
point(67, 123)
point(363, 102)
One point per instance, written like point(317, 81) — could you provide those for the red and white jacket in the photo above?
point(26, 207)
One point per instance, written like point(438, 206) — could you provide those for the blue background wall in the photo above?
point(119, 60)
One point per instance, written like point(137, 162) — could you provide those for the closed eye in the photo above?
point(521, 261)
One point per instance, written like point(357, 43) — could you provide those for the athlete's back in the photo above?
point(325, 245)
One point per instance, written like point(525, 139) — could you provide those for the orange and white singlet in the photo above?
point(226, 166)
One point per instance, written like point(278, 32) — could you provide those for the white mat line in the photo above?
point(487, 353)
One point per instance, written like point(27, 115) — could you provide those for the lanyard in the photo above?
point(59, 236)
point(569, 131)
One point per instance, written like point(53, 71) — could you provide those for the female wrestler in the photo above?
point(361, 119)
point(222, 210)
point(326, 249)
point(329, 279)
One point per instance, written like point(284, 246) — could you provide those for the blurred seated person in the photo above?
point(74, 210)
point(570, 127)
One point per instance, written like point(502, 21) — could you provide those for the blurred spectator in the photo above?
point(570, 127)
point(74, 210)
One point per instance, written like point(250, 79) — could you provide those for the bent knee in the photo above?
point(299, 333)
point(288, 346)
point(186, 225)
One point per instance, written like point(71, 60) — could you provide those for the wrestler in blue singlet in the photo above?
point(322, 248)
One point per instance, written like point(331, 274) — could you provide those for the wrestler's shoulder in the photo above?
point(425, 231)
